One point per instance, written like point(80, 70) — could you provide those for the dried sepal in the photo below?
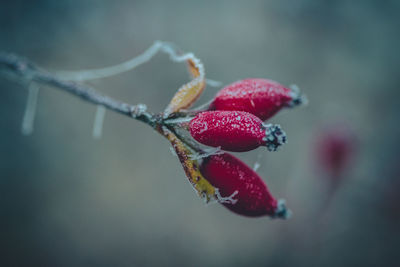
point(192, 168)
point(189, 92)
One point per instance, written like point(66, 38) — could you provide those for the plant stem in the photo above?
point(21, 68)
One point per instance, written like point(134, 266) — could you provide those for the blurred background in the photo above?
point(67, 199)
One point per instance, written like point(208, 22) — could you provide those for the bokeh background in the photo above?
point(67, 199)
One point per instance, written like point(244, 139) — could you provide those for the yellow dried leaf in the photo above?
point(192, 169)
point(188, 93)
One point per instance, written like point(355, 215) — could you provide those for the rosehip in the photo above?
point(335, 149)
point(230, 175)
point(236, 131)
point(261, 97)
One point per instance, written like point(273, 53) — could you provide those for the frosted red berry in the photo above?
point(236, 131)
point(234, 178)
point(261, 97)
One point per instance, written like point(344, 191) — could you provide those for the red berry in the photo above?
point(235, 131)
point(261, 97)
point(335, 149)
point(234, 178)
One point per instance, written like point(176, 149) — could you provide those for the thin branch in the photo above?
point(91, 74)
point(22, 69)
point(174, 52)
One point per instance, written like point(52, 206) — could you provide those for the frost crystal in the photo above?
point(138, 110)
point(91, 74)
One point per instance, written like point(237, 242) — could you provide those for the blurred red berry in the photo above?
point(335, 150)
point(235, 131)
point(261, 97)
point(230, 175)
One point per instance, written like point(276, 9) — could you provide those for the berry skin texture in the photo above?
point(230, 175)
point(235, 131)
point(261, 97)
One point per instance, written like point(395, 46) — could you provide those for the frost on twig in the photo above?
point(138, 110)
point(98, 122)
point(30, 110)
point(185, 96)
point(92, 74)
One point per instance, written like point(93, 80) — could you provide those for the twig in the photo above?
point(22, 69)
point(91, 74)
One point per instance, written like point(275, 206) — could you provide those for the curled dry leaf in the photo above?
point(192, 169)
point(189, 92)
